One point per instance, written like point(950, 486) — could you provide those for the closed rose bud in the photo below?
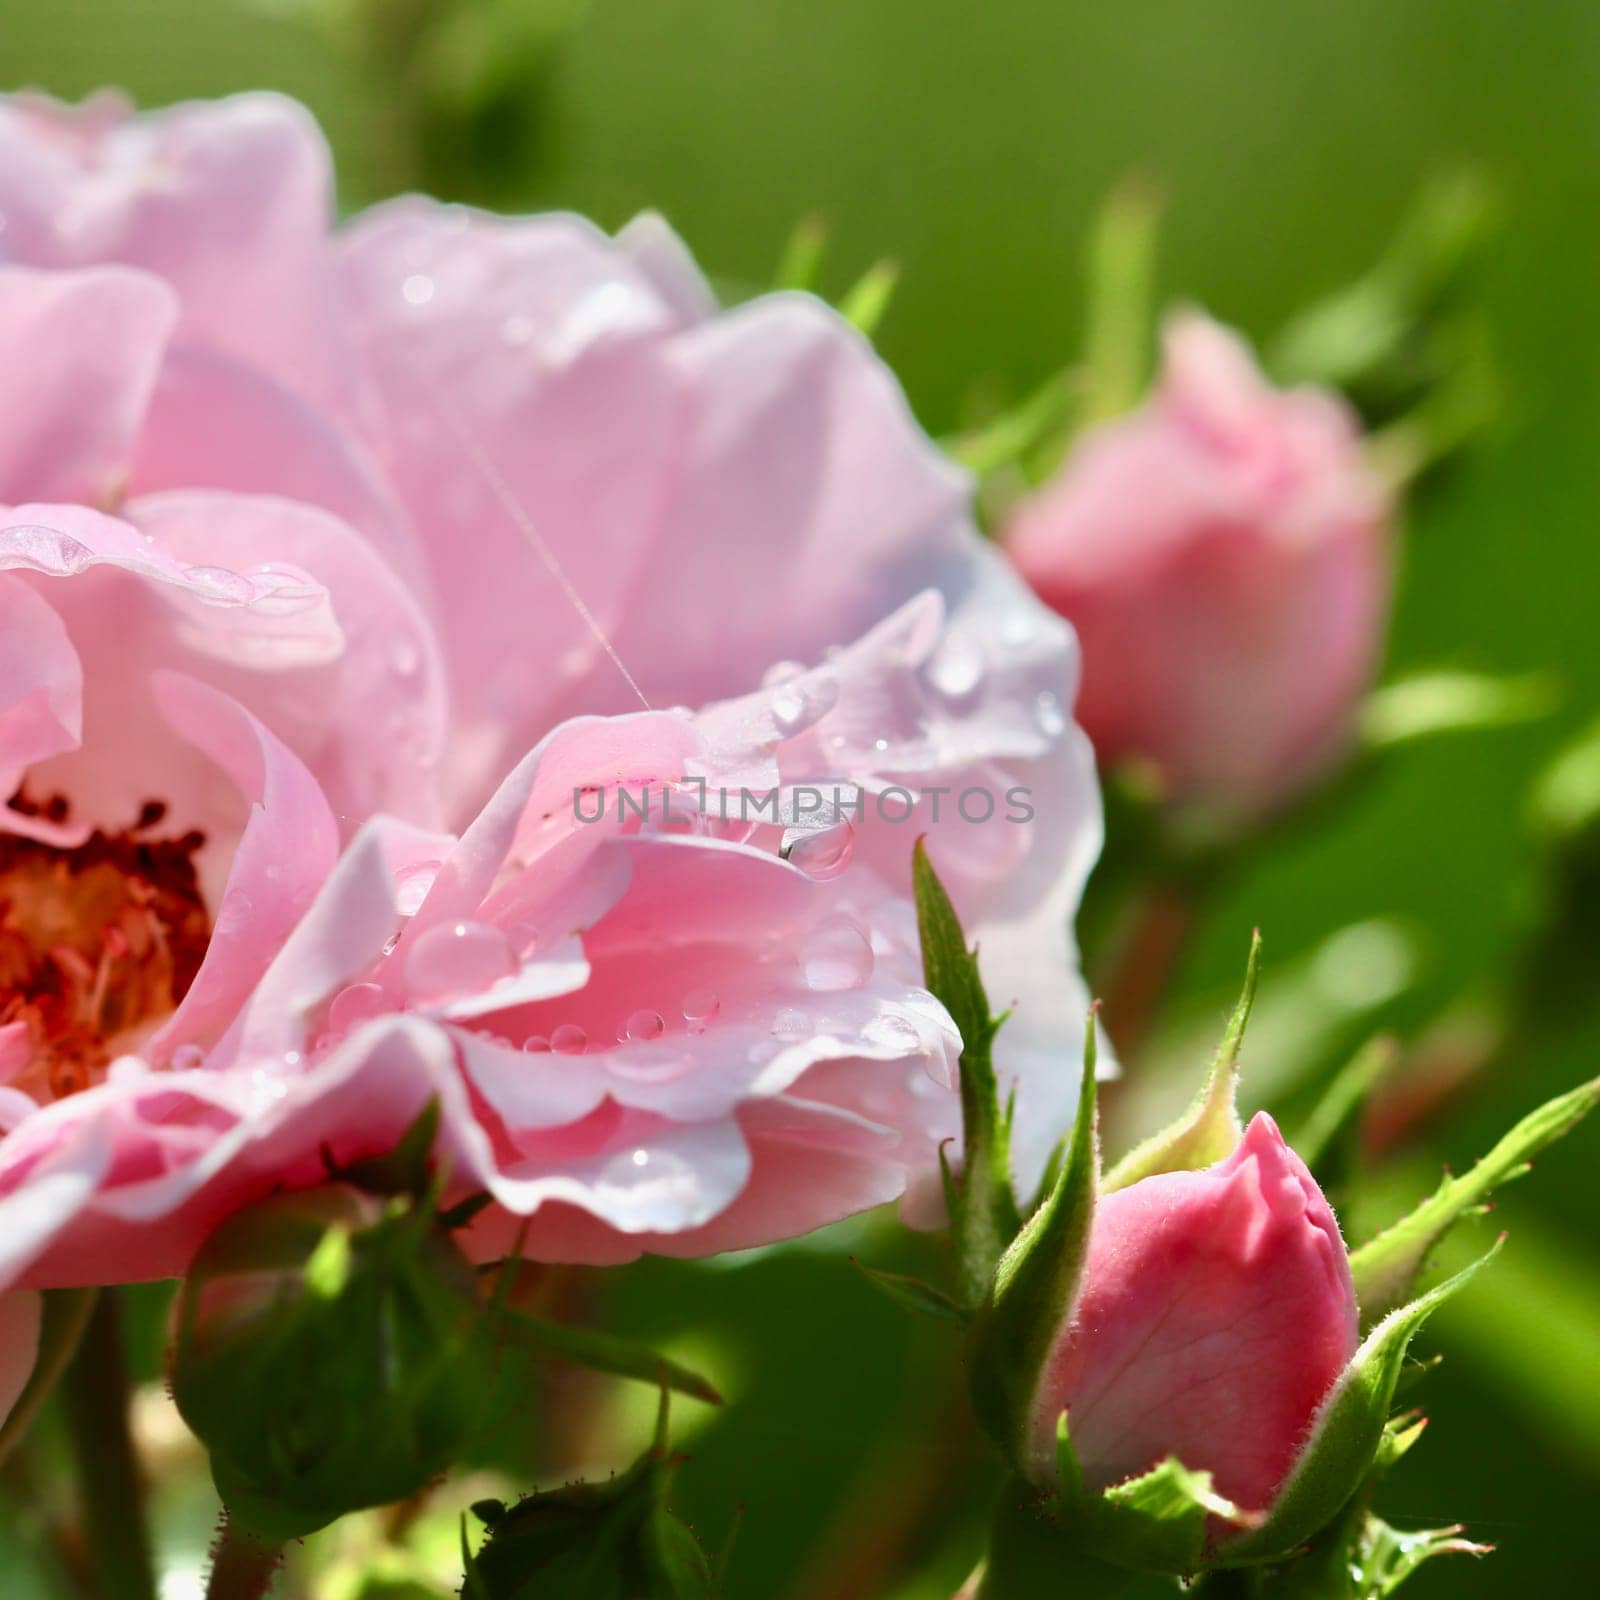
point(1214, 1313)
point(329, 1355)
point(1222, 554)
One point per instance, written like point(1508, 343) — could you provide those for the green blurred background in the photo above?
point(973, 143)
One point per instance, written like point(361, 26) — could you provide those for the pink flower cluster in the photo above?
point(334, 565)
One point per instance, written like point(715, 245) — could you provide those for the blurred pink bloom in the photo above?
point(1214, 1314)
point(1222, 555)
point(20, 1313)
point(302, 523)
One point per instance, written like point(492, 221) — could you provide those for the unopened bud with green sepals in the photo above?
point(329, 1350)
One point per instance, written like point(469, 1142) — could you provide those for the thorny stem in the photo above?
point(242, 1566)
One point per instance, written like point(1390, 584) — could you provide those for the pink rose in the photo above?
point(375, 557)
point(1214, 1314)
point(1222, 554)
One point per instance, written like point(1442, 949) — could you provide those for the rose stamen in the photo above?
point(98, 943)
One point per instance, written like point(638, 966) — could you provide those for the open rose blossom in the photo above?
point(1223, 556)
point(391, 619)
point(1214, 1313)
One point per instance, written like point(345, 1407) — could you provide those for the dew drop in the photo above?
point(1047, 713)
point(569, 1040)
point(791, 1024)
point(417, 290)
point(788, 707)
point(892, 1033)
point(823, 853)
point(358, 1003)
point(187, 1057)
point(220, 586)
point(46, 548)
point(456, 958)
point(700, 1007)
point(956, 671)
point(836, 955)
point(781, 672)
point(536, 1044)
point(641, 1026)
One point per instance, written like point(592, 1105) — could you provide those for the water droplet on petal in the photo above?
point(791, 1024)
point(892, 1032)
point(643, 1025)
point(417, 290)
point(836, 955)
point(956, 671)
point(569, 1040)
point(700, 1007)
point(781, 672)
point(536, 1044)
point(788, 707)
point(358, 1003)
point(457, 958)
point(187, 1057)
point(641, 1158)
point(823, 853)
point(1047, 713)
point(220, 586)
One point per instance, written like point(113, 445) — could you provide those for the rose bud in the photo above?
point(1214, 1314)
point(324, 1355)
point(1222, 554)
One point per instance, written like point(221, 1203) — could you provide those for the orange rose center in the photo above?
point(97, 944)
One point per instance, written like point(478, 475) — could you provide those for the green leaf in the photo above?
point(1035, 1283)
point(1427, 704)
point(1386, 1267)
point(913, 1292)
point(1210, 1128)
point(602, 1352)
point(1327, 1135)
point(601, 1541)
point(865, 304)
point(983, 1209)
point(1348, 1436)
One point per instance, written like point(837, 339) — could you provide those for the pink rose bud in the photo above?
point(1213, 1316)
point(1222, 554)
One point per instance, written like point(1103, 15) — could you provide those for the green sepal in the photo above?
point(600, 1352)
point(984, 1218)
point(407, 1168)
point(913, 1293)
point(1386, 1267)
point(800, 266)
point(1032, 1554)
point(1210, 1129)
point(1035, 1283)
point(603, 1541)
point(1347, 1438)
point(866, 302)
point(1156, 1522)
